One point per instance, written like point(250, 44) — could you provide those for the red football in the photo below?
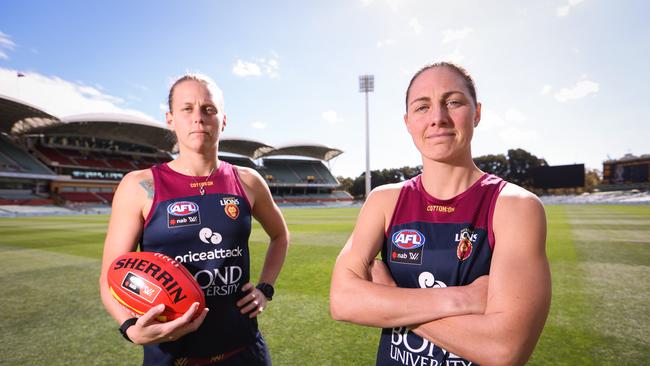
point(142, 280)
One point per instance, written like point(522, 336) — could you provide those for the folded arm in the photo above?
point(519, 291)
point(355, 298)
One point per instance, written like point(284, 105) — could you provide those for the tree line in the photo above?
point(515, 167)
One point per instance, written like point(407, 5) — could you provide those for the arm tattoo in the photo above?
point(147, 184)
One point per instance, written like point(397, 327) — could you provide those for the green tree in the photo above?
point(593, 179)
point(346, 183)
point(381, 177)
point(520, 164)
point(493, 164)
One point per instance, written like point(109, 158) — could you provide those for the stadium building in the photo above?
point(628, 172)
point(74, 163)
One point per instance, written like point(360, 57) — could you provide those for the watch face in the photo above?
point(266, 289)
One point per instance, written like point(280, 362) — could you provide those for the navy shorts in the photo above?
point(257, 354)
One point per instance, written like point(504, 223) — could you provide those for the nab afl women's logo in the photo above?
point(183, 213)
point(408, 239)
point(183, 208)
point(407, 247)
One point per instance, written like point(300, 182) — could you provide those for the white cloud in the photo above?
point(243, 68)
point(454, 35)
point(366, 2)
point(259, 125)
point(138, 86)
point(456, 56)
point(509, 129)
point(513, 136)
point(331, 117)
point(269, 67)
point(545, 90)
point(272, 68)
point(564, 10)
point(580, 90)
point(163, 107)
point(394, 5)
point(514, 115)
point(490, 120)
point(414, 23)
point(385, 43)
point(5, 44)
point(61, 97)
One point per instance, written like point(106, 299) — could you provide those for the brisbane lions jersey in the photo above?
point(209, 234)
point(436, 243)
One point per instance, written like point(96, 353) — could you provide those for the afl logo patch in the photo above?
point(231, 210)
point(408, 239)
point(183, 213)
point(183, 208)
point(407, 247)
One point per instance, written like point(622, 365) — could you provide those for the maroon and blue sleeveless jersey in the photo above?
point(436, 243)
point(209, 235)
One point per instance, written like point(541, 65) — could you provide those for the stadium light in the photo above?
point(367, 85)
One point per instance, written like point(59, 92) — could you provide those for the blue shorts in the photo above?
point(255, 354)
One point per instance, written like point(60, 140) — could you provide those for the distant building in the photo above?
point(629, 172)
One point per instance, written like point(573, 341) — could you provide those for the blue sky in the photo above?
point(566, 80)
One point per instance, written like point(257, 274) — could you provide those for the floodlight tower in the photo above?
point(367, 85)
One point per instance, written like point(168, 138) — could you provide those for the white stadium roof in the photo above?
point(20, 118)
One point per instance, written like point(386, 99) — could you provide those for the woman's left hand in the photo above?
point(253, 303)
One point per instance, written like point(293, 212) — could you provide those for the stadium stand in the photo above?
point(600, 198)
point(19, 159)
point(71, 165)
point(77, 161)
point(628, 172)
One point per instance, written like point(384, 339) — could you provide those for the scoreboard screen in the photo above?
point(559, 176)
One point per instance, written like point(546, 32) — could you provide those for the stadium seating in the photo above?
point(81, 197)
point(15, 158)
point(23, 197)
point(297, 171)
point(121, 164)
point(15, 210)
point(54, 156)
point(239, 161)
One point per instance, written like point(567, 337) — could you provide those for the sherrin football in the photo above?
point(142, 280)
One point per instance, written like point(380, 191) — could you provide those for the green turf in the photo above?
point(52, 315)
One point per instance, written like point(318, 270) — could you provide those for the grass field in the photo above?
point(52, 315)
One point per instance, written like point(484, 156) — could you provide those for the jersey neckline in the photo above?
point(217, 173)
point(452, 199)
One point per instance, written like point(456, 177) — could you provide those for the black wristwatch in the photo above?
point(127, 323)
point(266, 289)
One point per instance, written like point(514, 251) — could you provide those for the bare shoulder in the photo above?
point(249, 177)
point(254, 186)
point(381, 202)
point(385, 196)
point(138, 183)
point(518, 208)
point(514, 198)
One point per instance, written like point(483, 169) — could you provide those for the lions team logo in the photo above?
point(407, 247)
point(183, 213)
point(230, 207)
point(465, 240)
